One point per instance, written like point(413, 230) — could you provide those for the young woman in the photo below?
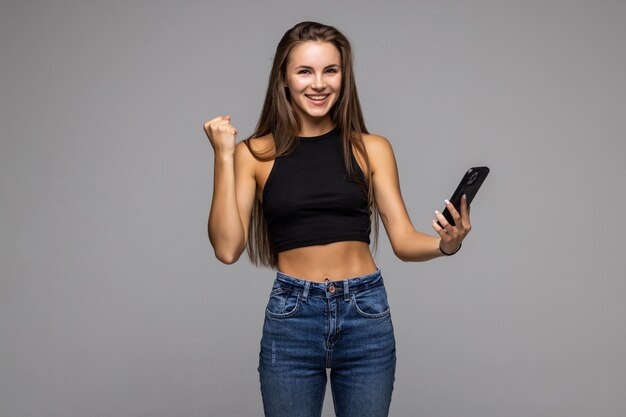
point(300, 194)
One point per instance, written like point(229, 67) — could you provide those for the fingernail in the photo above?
point(436, 211)
point(464, 197)
point(447, 202)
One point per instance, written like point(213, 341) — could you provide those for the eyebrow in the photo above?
point(326, 67)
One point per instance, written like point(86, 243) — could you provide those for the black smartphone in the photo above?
point(469, 185)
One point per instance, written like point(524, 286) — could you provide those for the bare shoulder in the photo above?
point(262, 145)
point(379, 150)
point(376, 142)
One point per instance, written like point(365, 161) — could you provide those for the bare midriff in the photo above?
point(329, 262)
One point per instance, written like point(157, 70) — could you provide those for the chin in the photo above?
point(317, 113)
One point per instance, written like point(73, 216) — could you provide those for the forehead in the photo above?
point(314, 53)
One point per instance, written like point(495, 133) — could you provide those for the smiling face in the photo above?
point(313, 78)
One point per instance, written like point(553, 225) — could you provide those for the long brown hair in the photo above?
point(279, 119)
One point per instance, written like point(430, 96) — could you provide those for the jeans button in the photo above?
point(331, 289)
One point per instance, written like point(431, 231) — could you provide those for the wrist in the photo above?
point(225, 156)
point(449, 253)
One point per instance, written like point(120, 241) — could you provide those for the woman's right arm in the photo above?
point(234, 188)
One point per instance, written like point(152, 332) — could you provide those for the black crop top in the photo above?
point(309, 200)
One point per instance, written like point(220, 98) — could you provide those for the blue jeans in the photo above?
point(341, 325)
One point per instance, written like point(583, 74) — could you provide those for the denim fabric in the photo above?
point(344, 326)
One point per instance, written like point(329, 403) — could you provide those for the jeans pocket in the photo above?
point(283, 303)
point(371, 303)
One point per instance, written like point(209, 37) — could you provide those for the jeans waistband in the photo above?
point(330, 289)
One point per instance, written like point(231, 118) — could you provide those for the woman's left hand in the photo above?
point(452, 236)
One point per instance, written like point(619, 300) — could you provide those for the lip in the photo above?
point(317, 102)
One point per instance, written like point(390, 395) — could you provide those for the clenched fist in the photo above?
point(221, 134)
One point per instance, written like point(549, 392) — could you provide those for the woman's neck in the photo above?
point(316, 128)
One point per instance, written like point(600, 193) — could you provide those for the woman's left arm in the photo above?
point(408, 244)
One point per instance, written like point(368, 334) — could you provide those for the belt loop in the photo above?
point(305, 293)
point(345, 290)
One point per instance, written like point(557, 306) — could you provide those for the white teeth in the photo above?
point(317, 97)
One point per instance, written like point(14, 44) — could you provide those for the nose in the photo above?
point(318, 83)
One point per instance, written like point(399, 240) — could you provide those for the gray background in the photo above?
point(112, 302)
